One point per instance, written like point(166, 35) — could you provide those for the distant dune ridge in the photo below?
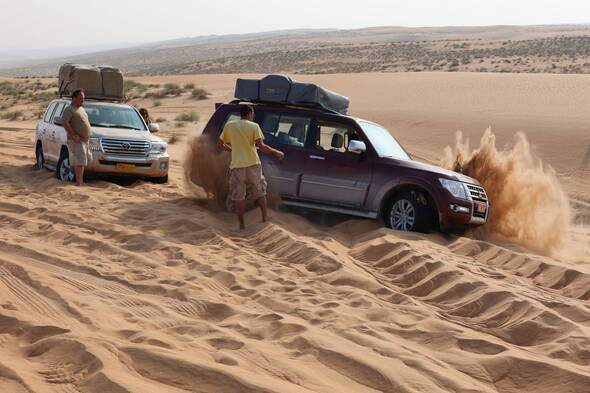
point(312, 51)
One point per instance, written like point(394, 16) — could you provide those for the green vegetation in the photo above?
point(157, 103)
point(11, 115)
point(187, 116)
point(199, 94)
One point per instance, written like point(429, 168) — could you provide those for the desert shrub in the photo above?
point(189, 86)
point(173, 139)
point(160, 120)
point(157, 103)
point(130, 84)
point(187, 116)
point(199, 94)
point(11, 115)
point(179, 124)
point(43, 96)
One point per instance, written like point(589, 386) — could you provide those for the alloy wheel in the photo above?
point(403, 215)
point(65, 170)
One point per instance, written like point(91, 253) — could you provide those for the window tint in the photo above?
point(335, 136)
point(285, 129)
point(59, 110)
point(47, 116)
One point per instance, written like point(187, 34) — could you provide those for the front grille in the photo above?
point(126, 147)
point(477, 193)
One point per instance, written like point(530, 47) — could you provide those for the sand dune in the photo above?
point(138, 287)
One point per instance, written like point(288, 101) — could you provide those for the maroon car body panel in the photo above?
point(356, 183)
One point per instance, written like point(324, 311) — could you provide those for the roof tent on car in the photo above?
point(98, 82)
point(282, 89)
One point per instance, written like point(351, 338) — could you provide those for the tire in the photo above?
point(159, 180)
point(64, 171)
point(39, 157)
point(407, 213)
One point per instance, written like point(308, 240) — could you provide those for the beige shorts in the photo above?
point(79, 153)
point(240, 178)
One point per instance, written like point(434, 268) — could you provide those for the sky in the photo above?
point(45, 24)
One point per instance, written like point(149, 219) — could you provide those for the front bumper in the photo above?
point(149, 166)
point(458, 213)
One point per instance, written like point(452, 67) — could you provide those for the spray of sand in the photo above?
point(529, 206)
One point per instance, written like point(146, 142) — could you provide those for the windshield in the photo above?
point(114, 117)
point(383, 142)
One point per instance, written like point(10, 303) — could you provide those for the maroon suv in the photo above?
point(344, 164)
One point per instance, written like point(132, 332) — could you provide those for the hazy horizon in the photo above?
point(137, 22)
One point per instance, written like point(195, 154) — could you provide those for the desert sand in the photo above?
point(137, 287)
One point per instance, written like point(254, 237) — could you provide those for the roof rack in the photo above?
point(288, 105)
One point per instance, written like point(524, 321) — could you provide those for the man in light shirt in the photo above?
point(77, 126)
point(241, 138)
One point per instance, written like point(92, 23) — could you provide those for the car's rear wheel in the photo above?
point(39, 157)
point(407, 213)
point(64, 170)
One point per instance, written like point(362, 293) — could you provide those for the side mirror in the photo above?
point(154, 127)
point(357, 147)
point(58, 121)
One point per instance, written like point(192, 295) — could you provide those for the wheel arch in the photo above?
point(422, 192)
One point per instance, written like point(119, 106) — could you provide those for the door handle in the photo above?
point(317, 157)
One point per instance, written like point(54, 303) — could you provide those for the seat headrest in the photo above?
point(297, 131)
point(337, 141)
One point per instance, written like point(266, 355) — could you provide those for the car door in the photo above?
point(288, 133)
point(44, 130)
point(54, 133)
point(334, 175)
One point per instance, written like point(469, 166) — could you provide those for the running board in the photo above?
point(334, 209)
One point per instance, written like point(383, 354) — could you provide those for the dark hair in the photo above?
point(77, 92)
point(245, 110)
point(143, 110)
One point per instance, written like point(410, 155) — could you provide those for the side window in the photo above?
point(232, 116)
point(334, 136)
point(47, 116)
point(59, 110)
point(286, 129)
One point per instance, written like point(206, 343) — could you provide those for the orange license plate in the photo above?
point(126, 167)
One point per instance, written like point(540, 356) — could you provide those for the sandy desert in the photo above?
point(134, 287)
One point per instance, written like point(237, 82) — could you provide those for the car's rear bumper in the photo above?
point(149, 166)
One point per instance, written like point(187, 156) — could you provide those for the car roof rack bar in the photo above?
point(288, 105)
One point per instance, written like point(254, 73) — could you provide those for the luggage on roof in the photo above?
point(282, 89)
point(100, 82)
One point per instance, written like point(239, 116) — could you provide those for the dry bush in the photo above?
point(187, 116)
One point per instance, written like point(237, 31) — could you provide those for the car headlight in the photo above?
point(94, 144)
point(456, 188)
point(158, 148)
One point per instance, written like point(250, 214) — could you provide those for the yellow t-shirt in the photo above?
point(241, 135)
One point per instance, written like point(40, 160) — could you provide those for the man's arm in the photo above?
point(269, 150)
point(71, 132)
point(222, 145)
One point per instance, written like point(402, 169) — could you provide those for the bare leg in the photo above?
point(263, 207)
point(79, 171)
point(240, 208)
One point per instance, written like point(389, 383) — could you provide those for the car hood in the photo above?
point(445, 173)
point(102, 132)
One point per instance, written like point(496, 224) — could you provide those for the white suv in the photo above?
point(121, 143)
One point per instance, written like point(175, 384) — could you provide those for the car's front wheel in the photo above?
point(64, 170)
point(39, 157)
point(407, 213)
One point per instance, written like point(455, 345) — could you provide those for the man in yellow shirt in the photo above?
point(245, 136)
